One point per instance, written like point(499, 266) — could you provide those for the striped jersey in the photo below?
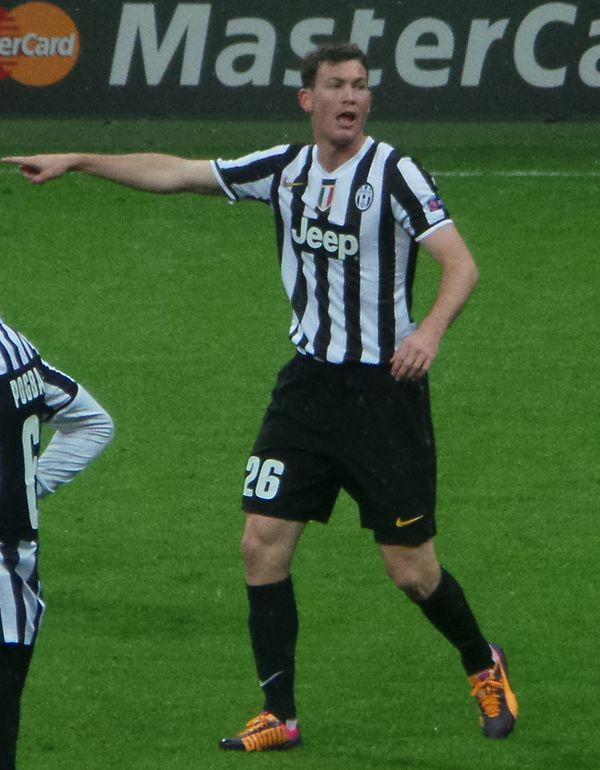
point(347, 242)
point(31, 392)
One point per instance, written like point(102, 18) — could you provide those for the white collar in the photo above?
point(346, 165)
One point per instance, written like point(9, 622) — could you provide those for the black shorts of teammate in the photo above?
point(14, 664)
point(352, 427)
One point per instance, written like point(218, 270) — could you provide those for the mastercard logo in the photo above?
point(39, 44)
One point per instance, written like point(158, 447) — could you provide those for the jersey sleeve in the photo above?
point(416, 203)
point(82, 428)
point(251, 176)
point(59, 389)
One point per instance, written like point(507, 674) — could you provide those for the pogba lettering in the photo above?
point(26, 387)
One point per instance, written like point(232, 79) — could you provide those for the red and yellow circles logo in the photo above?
point(39, 44)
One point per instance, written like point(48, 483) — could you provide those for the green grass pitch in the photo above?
point(170, 311)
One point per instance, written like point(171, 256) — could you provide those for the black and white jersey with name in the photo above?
point(347, 242)
point(33, 393)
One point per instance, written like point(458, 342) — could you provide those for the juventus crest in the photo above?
point(364, 197)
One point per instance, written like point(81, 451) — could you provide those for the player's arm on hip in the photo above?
point(152, 172)
point(459, 277)
point(414, 356)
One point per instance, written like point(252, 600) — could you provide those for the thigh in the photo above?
point(291, 484)
point(389, 460)
point(292, 472)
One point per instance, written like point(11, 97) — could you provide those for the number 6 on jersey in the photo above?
point(262, 479)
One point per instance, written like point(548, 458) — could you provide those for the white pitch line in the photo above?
point(516, 173)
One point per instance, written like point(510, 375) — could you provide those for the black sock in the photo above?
point(273, 624)
point(448, 610)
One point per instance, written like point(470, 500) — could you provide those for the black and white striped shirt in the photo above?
point(31, 393)
point(347, 241)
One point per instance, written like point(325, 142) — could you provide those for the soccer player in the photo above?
point(32, 393)
point(351, 409)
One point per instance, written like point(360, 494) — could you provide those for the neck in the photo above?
point(333, 156)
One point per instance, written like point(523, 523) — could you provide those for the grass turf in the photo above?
point(160, 308)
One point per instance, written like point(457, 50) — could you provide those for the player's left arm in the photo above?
point(417, 352)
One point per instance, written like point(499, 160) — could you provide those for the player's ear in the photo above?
point(305, 99)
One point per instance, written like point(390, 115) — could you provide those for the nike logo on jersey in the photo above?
point(287, 183)
point(405, 522)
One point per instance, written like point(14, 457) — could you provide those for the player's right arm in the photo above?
point(152, 172)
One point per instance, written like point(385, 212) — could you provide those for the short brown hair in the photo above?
point(329, 52)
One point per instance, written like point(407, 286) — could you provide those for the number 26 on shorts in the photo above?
point(262, 478)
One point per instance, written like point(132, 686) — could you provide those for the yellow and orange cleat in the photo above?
point(264, 733)
point(498, 707)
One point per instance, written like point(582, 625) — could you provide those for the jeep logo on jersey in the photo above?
point(39, 44)
point(333, 243)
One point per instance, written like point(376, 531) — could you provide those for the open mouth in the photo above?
point(346, 118)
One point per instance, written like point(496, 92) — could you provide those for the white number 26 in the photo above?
point(262, 479)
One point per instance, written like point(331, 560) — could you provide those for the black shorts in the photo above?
point(352, 427)
point(14, 665)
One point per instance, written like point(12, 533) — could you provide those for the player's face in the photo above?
point(339, 104)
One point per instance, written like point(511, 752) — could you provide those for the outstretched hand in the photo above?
point(40, 168)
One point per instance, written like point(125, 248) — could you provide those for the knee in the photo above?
point(252, 546)
point(417, 583)
point(415, 570)
point(268, 546)
point(261, 563)
point(267, 551)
